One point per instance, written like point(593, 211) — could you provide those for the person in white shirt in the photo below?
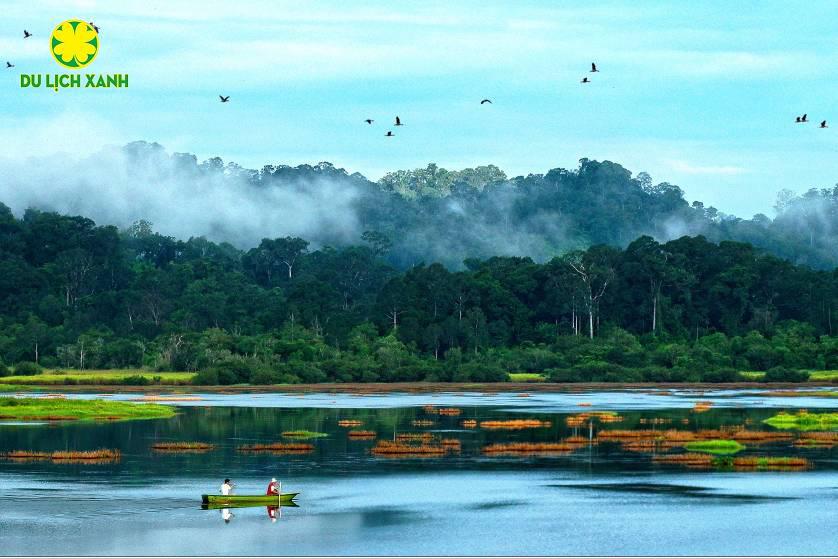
point(226, 487)
point(226, 515)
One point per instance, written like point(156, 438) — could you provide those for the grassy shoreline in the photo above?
point(50, 409)
point(410, 387)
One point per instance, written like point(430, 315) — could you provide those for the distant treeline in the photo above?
point(77, 295)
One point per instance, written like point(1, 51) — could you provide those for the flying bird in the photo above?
point(90, 23)
point(585, 80)
point(485, 101)
point(823, 124)
point(26, 34)
point(369, 121)
point(224, 99)
point(9, 64)
point(389, 133)
point(399, 122)
point(593, 67)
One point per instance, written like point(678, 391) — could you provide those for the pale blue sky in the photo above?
point(700, 94)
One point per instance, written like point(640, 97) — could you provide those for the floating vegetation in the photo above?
point(627, 434)
point(423, 422)
point(26, 455)
point(701, 407)
point(452, 444)
point(715, 446)
point(523, 395)
point(278, 448)
point(818, 439)
point(584, 404)
point(361, 434)
point(518, 449)
point(642, 446)
point(691, 459)
point(84, 455)
point(430, 409)
point(469, 423)
point(756, 437)
point(350, 423)
point(420, 437)
point(804, 421)
point(57, 409)
point(449, 411)
point(303, 434)
point(182, 447)
point(390, 448)
point(779, 463)
point(514, 424)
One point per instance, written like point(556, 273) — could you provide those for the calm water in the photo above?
point(599, 499)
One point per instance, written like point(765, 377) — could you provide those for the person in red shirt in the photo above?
point(273, 487)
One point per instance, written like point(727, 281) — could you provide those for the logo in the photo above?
point(74, 44)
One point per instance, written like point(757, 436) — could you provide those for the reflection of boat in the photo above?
point(248, 500)
point(216, 506)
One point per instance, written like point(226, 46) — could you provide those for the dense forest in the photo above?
point(74, 294)
point(429, 214)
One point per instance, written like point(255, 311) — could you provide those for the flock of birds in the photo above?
point(226, 98)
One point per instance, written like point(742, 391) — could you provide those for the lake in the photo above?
point(590, 493)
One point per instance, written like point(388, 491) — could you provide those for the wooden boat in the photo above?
point(254, 500)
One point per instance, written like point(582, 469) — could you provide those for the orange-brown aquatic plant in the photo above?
point(514, 424)
point(419, 437)
point(278, 448)
point(449, 411)
point(755, 437)
point(390, 448)
point(451, 444)
point(26, 455)
point(469, 423)
point(517, 449)
point(361, 434)
point(350, 423)
point(100, 456)
point(817, 439)
point(182, 446)
point(423, 422)
point(584, 404)
point(700, 407)
point(690, 459)
point(779, 463)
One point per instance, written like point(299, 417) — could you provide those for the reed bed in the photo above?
point(779, 463)
point(390, 448)
point(690, 459)
point(514, 424)
point(755, 437)
point(350, 423)
point(278, 448)
point(449, 411)
point(26, 455)
point(452, 444)
point(182, 447)
point(361, 434)
point(415, 437)
point(84, 455)
point(628, 434)
point(518, 449)
point(423, 422)
point(469, 423)
point(818, 439)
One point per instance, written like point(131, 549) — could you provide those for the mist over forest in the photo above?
point(428, 215)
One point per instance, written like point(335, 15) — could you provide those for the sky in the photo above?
point(698, 94)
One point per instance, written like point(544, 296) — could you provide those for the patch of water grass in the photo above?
point(29, 409)
point(526, 377)
point(804, 421)
point(715, 446)
point(303, 434)
point(55, 377)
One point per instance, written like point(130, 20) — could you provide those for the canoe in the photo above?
point(248, 499)
point(285, 505)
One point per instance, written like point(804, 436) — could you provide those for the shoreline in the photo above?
point(410, 387)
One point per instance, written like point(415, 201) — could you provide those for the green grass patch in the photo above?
point(55, 377)
point(715, 446)
point(526, 377)
point(752, 375)
point(824, 375)
point(303, 434)
point(803, 421)
point(33, 409)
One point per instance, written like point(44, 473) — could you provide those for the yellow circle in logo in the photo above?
point(74, 44)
